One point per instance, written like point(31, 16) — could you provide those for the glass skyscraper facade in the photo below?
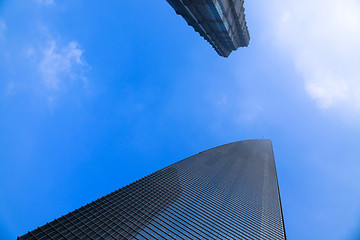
point(221, 22)
point(227, 192)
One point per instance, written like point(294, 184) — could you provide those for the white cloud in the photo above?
point(3, 28)
point(45, 2)
point(56, 64)
point(322, 37)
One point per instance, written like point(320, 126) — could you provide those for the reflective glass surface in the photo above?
point(228, 192)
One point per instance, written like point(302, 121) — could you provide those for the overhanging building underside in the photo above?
point(221, 22)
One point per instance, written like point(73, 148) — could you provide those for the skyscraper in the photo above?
point(227, 192)
point(221, 22)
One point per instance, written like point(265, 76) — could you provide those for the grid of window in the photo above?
point(221, 22)
point(228, 192)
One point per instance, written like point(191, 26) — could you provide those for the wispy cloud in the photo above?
point(49, 65)
point(244, 110)
point(9, 88)
point(45, 2)
point(58, 63)
point(3, 28)
point(249, 112)
point(322, 38)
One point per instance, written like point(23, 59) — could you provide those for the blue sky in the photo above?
point(95, 96)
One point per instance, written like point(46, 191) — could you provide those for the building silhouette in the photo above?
point(221, 22)
point(227, 192)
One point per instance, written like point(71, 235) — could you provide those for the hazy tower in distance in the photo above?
point(221, 22)
point(227, 192)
